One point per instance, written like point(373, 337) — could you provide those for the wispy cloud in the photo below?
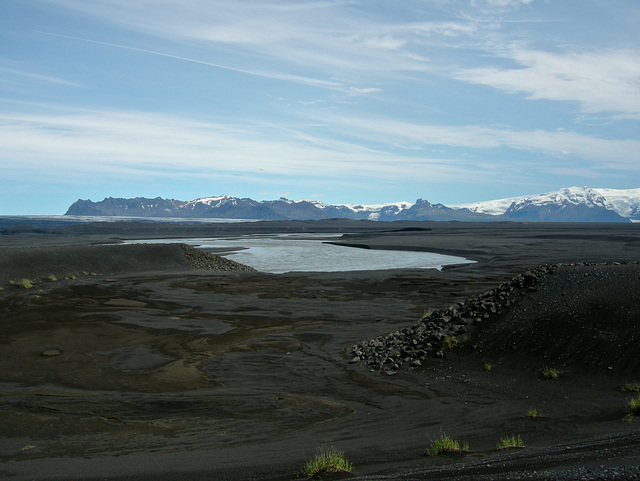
point(122, 143)
point(336, 36)
point(265, 74)
point(501, 3)
point(13, 75)
point(109, 140)
point(599, 81)
point(613, 153)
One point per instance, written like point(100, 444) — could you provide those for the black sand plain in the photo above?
point(149, 362)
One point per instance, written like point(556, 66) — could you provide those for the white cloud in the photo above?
point(330, 36)
point(125, 145)
point(612, 153)
point(114, 141)
point(507, 3)
point(600, 81)
point(120, 144)
point(353, 91)
point(499, 5)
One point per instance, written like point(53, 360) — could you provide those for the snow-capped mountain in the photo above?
point(571, 204)
point(491, 207)
point(625, 202)
point(226, 207)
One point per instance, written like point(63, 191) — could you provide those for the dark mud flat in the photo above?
point(143, 366)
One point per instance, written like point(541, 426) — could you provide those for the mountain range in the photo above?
point(572, 204)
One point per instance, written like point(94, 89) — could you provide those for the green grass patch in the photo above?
point(449, 343)
point(509, 442)
point(327, 460)
point(634, 406)
point(549, 373)
point(426, 313)
point(446, 445)
point(531, 414)
point(52, 278)
point(486, 367)
point(24, 283)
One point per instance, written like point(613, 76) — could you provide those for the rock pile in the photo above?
point(440, 330)
point(205, 260)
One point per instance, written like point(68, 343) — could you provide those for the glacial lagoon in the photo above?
point(311, 253)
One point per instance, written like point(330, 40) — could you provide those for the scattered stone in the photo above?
point(51, 352)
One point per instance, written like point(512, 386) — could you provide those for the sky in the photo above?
point(340, 101)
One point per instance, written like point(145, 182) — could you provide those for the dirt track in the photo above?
point(165, 371)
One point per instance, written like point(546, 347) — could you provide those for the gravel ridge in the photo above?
point(438, 331)
point(200, 259)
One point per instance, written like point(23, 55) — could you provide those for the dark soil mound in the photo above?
point(39, 262)
point(582, 315)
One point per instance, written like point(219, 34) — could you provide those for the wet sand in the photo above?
point(137, 365)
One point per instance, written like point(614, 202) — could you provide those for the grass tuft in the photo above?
point(426, 313)
point(449, 343)
point(634, 406)
point(24, 283)
point(445, 445)
point(486, 367)
point(509, 442)
point(327, 460)
point(531, 414)
point(630, 387)
point(52, 278)
point(549, 373)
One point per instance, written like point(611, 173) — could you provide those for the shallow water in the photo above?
point(308, 252)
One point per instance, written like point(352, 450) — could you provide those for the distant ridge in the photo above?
point(226, 207)
point(572, 204)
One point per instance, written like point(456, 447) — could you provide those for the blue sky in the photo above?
point(342, 101)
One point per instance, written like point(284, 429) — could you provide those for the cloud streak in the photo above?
point(16, 76)
point(270, 75)
point(341, 37)
point(614, 153)
point(604, 81)
point(117, 143)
